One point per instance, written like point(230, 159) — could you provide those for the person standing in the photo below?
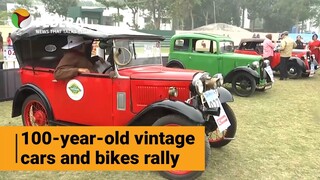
point(268, 47)
point(287, 44)
point(1, 42)
point(9, 41)
point(299, 42)
point(314, 47)
point(1, 49)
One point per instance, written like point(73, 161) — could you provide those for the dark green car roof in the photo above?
point(202, 36)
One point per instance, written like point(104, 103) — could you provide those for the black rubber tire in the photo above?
point(180, 120)
point(30, 98)
point(231, 131)
point(244, 76)
point(305, 75)
point(297, 70)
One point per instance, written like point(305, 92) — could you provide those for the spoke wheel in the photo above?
point(177, 120)
point(243, 84)
point(33, 112)
point(218, 139)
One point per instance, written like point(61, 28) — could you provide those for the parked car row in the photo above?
point(299, 64)
point(215, 54)
point(132, 87)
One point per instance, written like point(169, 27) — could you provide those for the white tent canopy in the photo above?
point(234, 32)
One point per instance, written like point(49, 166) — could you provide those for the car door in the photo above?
point(228, 60)
point(86, 100)
point(204, 56)
point(180, 51)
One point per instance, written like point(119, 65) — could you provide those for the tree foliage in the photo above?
point(188, 14)
point(59, 6)
point(116, 4)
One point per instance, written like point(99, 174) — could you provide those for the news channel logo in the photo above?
point(21, 18)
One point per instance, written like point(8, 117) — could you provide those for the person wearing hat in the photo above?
point(287, 44)
point(75, 61)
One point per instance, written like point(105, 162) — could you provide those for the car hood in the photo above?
point(242, 56)
point(158, 72)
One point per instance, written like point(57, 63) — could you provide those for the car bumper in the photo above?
point(264, 86)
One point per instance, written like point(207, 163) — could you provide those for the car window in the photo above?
point(201, 45)
point(181, 44)
point(248, 46)
point(226, 46)
point(43, 52)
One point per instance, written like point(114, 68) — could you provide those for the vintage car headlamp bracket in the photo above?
point(266, 63)
point(254, 65)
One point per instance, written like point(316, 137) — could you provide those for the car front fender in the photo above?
point(229, 76)
point(22, 93)
point(225, 95)
point(161, 108)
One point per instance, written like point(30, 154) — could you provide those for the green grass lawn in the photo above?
point(278, 137)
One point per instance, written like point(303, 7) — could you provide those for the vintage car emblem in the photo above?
point(75, 89)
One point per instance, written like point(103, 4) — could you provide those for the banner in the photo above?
point(103, 148)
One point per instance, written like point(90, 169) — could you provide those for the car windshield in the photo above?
point(141, 52)
point(226, 46)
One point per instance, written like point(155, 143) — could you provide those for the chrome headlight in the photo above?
point(266, 63)
point(219, 79)
point(199, 86)
point(197, 83)
point(254, 65)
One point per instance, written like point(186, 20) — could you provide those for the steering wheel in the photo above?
point(118, 52)
point(107, 68)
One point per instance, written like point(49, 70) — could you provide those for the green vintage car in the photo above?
point(214, 54)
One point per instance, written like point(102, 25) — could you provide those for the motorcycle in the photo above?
point(208, 95)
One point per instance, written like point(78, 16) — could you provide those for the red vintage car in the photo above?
point(132, 87)
point(298, 66)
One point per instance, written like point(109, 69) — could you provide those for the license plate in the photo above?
point(269, 72)
point(213, 100)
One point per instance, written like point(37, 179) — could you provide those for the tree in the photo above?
point(28, 4)
point(134, 6)
point(116, 4)
point(177, 13)
point(285, 14)
point(59, 6)
point(255, 9)
point(157, 9)
point(4, 17)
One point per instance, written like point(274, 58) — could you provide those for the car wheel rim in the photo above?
point(178, 172)
point(292, 71)
point(35, 114)
point(216, 136)
point(243, 85)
